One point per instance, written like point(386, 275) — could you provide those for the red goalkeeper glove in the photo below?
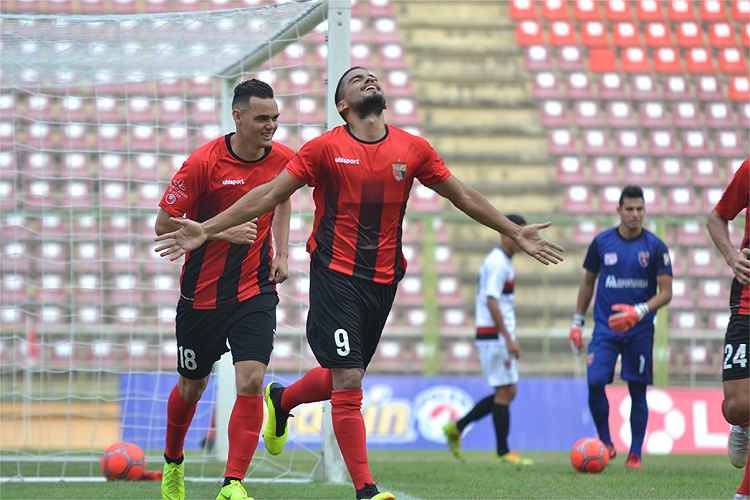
point(627, 316)
point(576, 333)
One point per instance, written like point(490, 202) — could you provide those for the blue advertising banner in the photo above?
point(399, 412)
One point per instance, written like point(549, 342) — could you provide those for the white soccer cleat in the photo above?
point(740, 496)
point(737, 446)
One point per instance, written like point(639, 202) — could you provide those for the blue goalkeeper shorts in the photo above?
point(637, 357)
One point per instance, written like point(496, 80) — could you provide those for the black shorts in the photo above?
point(736, 359)
point(346, 317)
point(202, 334)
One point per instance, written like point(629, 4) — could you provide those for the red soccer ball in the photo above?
point(589, 455)
point(123, 461)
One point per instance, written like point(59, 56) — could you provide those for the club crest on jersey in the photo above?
point(643, 258)
point(610, 259)
point(399, 171)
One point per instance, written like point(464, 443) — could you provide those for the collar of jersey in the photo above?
point(643, 233)
point(385, 136)
point(228, 142)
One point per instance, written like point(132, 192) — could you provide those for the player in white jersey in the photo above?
point(498, 349)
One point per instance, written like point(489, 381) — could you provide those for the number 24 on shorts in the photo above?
point(739, 358)
point(341, 338)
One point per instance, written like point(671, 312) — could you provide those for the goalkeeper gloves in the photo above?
point(576, 333)
point(627, 316)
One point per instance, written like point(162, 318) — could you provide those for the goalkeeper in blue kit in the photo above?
point(626, 264)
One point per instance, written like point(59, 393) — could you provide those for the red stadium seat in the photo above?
point(649, 10)
point(699, 60)
point(619, 10)
point(604, 171)
point(53, 225)
point(578, 85)
point(741, 10)
point(685, 114)
point(712, 10)
point(594, 34)
point(729, 143)
point(52, 257)
point(579, 199)
point(689, 34)
point(682, 295)
point(554, 113)
point(537, 58)
point(555, 9)
point(15, 257)
point(672, 172)
point(561, 33)
point(643, 87)
point(663, 143)
point(586, 10)
point(7, 194)
point(694, 143)
point(121, 258)
point(630, 143)
point(732, 61)
point(653, 115)
point(709, 89)
point(13, 288)
point(529, 32)
point(713, 293)
point(39, 194)
point(701, 262)
point(658, 35)
point(570, 58)
point(8, 166)
point(584, 231)
point(681, 10)
point(706, 172)
point(570, 170)
point(682, 200)
point(722, 35)
point(626, 34)
point(53, 289)
point(603, 60)
point(609, 199)
point(667, 60)
point(720, 115)
point(739, 89)
point(562, 142)
point(78, 194)
point(590, 114)
point(522, 9)
point(596, 142)
point(547, 85)
point(611, 86)
point(691, 233)
point(653, 200)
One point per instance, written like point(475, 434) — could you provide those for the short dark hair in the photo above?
point(516, 219)
point(631, 192)
point(336, 95)
point(251, 88)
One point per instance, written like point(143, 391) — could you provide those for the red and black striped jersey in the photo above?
point(210, 181)
point(735, 199)
point(360, 195)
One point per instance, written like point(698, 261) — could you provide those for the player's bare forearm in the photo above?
point(280, 227)
point(718, 228)
point(164, 223)
point(664, 295)
point(585, 292)
point(260, 200)
point(497, 317)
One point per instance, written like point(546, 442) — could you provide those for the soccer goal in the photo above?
point(96, 114)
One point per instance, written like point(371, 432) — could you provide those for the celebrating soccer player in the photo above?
point(631, 262)
point(227, 289)
point(362, 174)
point(736, 372)
point(498, 348)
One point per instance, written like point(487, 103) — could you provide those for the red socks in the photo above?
point(349, 427)
point(315, 385)
point(744, 488)
point(179, 416)
point(244, 428)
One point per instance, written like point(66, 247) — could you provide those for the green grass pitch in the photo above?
point(435, 475)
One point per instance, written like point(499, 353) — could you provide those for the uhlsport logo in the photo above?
point(346, 161)
point(436, 406)
point(233, 182)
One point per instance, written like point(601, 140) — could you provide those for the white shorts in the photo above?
point(498, 365)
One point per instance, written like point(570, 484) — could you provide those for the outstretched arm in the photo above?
point(472, 203)
point(260, 200)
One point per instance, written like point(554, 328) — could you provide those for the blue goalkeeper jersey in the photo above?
point(627, 272)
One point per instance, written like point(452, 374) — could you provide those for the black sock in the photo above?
point(369, 491)
point(227, 480)
point(173, 461)
point(482, 408)
point(501, 420)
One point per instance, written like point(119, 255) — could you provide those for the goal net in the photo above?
point(96, 114)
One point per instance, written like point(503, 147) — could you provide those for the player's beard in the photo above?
point(371, 104)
